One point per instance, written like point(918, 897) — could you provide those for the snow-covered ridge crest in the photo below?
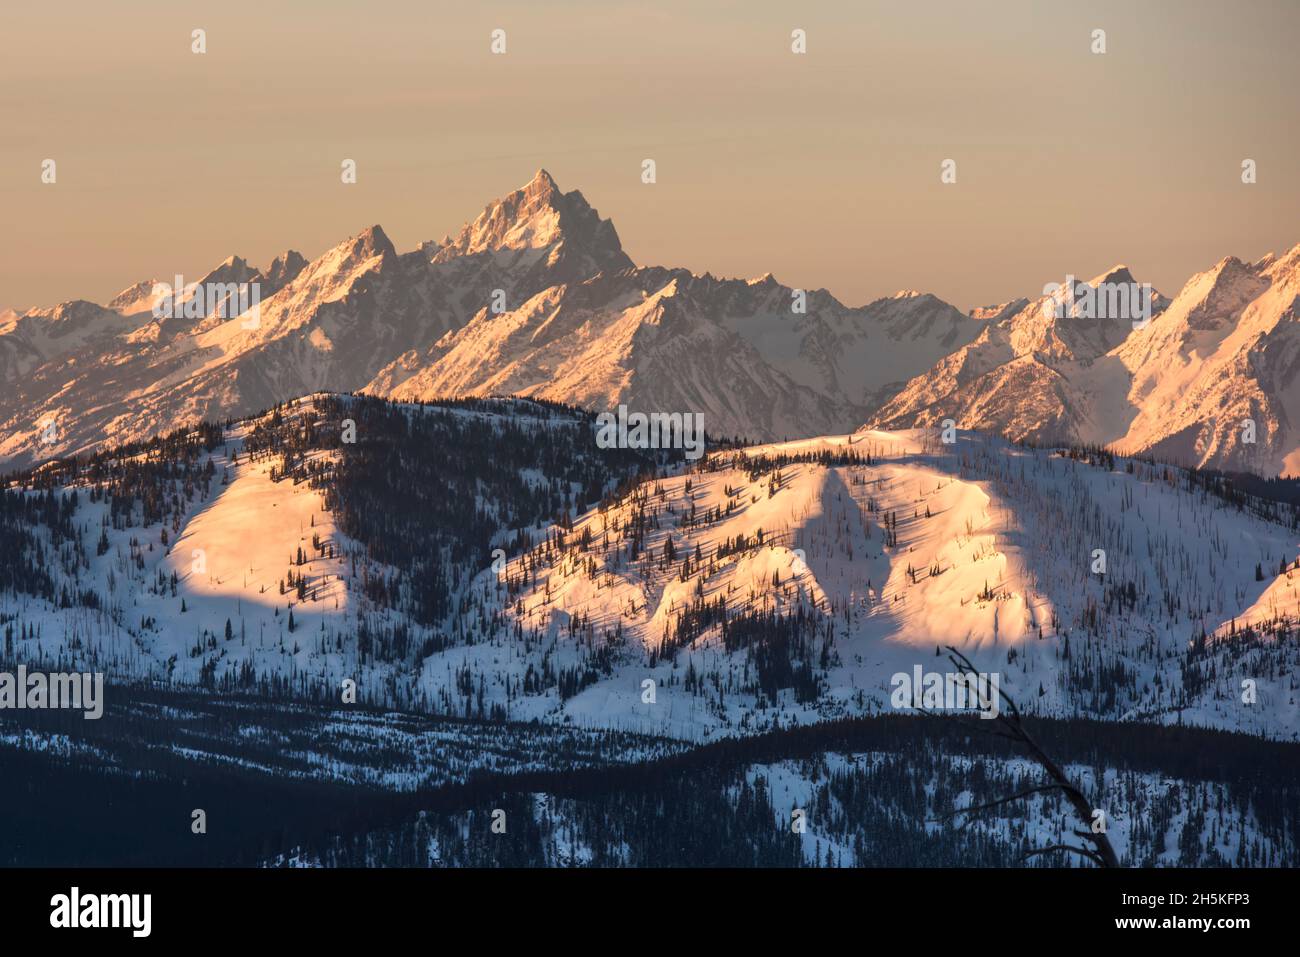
point(535, 296)
point(1210, 380)
point(100, 374)
point(761, 586)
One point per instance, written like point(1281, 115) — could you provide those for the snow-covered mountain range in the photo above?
point(1211, 380)
point(536, 297)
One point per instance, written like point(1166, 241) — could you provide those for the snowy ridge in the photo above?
point(536, 297)
point(363, 315)
point(668, 339)
point(1225, 350)
point(776, 585)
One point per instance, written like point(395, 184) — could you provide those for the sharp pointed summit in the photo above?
point(373, 241)
point(542, 181)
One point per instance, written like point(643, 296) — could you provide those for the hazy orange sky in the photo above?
point(822, 168)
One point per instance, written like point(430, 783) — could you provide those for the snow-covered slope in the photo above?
point(39, 336)
point(668, 340)
point(991, 550)
point(1225, 351)
point(773, 585)
point(1032, 374)
point(642, 338)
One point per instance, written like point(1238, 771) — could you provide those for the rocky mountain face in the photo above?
point(81, 375)
point(665, 339)
point(535, 296)
point(1209, 381)
point(1217, 380)
point(755, 357)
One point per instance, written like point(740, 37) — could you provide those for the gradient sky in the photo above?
point(822, 169)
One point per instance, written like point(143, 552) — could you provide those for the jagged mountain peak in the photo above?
point(1082, 319)
point(536, 294)
point(285, 266)
point(373, 241)
point(136, 297)
point(231, 269)
point(538, 216)
point(1222, 351)
point(999, 311)
point(336, 264)
point(909, 299)
point(1118, 273)
point(1214, 299)
point(140, 297)
point(1278, 266)
point(542, 181)
point(71, 311)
